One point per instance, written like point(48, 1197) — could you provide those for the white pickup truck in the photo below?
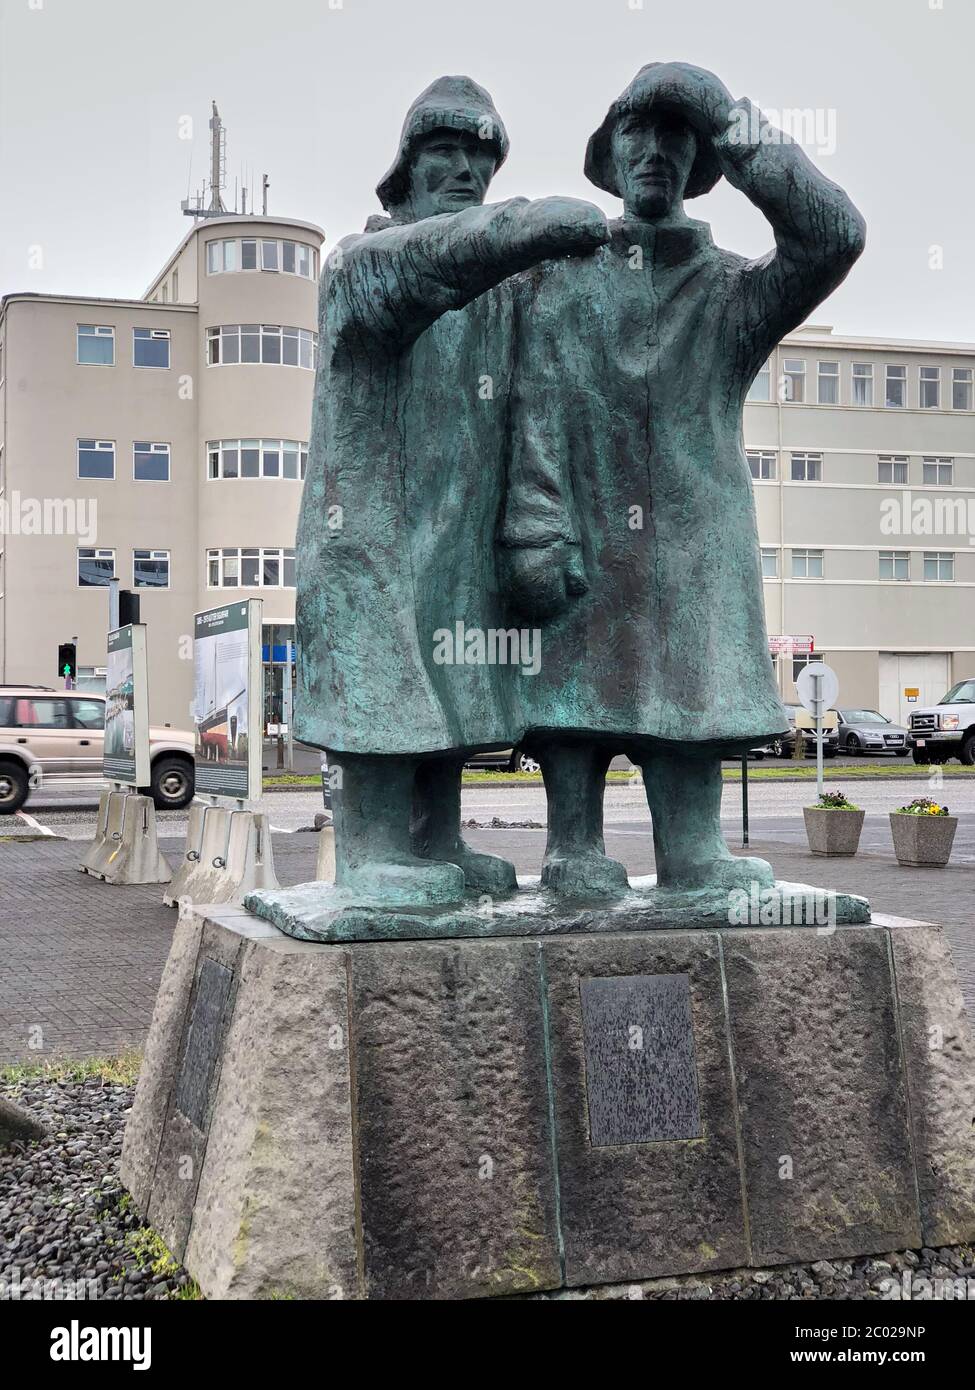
point(947, 729)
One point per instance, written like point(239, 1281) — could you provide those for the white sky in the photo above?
point(92, 92)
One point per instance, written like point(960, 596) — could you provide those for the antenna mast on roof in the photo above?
point(218, 163)
point(218, 173)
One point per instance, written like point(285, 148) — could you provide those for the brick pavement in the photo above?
point(81, 960)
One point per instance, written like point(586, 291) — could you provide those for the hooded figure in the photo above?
point(635, 364)
point(396, 538)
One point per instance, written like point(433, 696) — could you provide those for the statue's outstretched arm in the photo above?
point(386, 287)
point(819, 233)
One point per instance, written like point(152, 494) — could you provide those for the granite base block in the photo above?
point(488, 1117)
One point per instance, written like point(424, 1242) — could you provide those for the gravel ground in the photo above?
point(65, 1217)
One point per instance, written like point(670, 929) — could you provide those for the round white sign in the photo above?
point(806, 685)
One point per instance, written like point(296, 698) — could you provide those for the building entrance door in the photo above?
point(925, 672)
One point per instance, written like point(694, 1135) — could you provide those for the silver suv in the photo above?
point(51, 736)
point(947, 729)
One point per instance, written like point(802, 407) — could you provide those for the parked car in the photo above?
point(868, 731)
point(947, 729)
point(503, 760)
point(51, 736)
point(787, 745)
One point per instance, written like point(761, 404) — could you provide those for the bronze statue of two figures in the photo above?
point(528, 517)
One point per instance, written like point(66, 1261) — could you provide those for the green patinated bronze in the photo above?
point(528, 419)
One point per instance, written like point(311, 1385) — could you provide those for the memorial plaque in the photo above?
point(203, 1040)
point(641, 1073)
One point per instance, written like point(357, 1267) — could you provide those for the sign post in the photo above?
point(227, 701)
point(818, 686)
point(126, 756)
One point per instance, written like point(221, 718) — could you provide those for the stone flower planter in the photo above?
point(920, 840)
point(831, 831)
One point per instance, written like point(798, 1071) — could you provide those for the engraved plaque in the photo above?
point(641, 1075)
point(203, 1040)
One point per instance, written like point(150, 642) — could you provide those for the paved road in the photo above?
point(61, 812)
point(80, 960)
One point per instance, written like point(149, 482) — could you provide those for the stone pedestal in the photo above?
point(467, 1118)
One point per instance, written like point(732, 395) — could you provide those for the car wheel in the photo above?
point(926, 759)
point(779, 748)
point(967, 754)
point(853, 744)
point(829, 752)
point(14, 787)
point(172, 784)
point(524, 763)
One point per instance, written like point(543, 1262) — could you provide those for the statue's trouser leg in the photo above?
point(436, 828)
point(372, 800)
point(683, 789)
point(575, 863)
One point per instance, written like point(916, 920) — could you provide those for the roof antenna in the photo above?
point(265, 185)
point(218, 172)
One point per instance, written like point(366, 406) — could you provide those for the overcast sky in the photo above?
point(93, 92)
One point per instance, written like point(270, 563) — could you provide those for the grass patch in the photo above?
point(115, 1071)
point(842, 772)
point(757, 772)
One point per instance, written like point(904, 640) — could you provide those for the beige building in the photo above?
point(163, 440)
point(863, 458)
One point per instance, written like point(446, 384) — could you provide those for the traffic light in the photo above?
point(68, 660)
point(128, 607)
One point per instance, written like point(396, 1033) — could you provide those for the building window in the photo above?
point(799, 663)
point(257, 458)
point(937, 472)
point(96, 345)
point(829, 383)
point(273, 255)
point(251, 567)
point(895, 387)
point(761, 387)
point(895, 565)
point(261, 342)
point(175, 286)
point(96, 568)
point(221, 256)
point(862, 383)
point(807, 564)
point(762, 463)
point(892, 470)
point(150, 347)
point(929, 388)
point(165, 294)
point(807, 468)
point(793, 383)
point(961, 388)
point(96, 458)
point(939, 566)
point(150, 569)
point(150, 462)
point(770, 562)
